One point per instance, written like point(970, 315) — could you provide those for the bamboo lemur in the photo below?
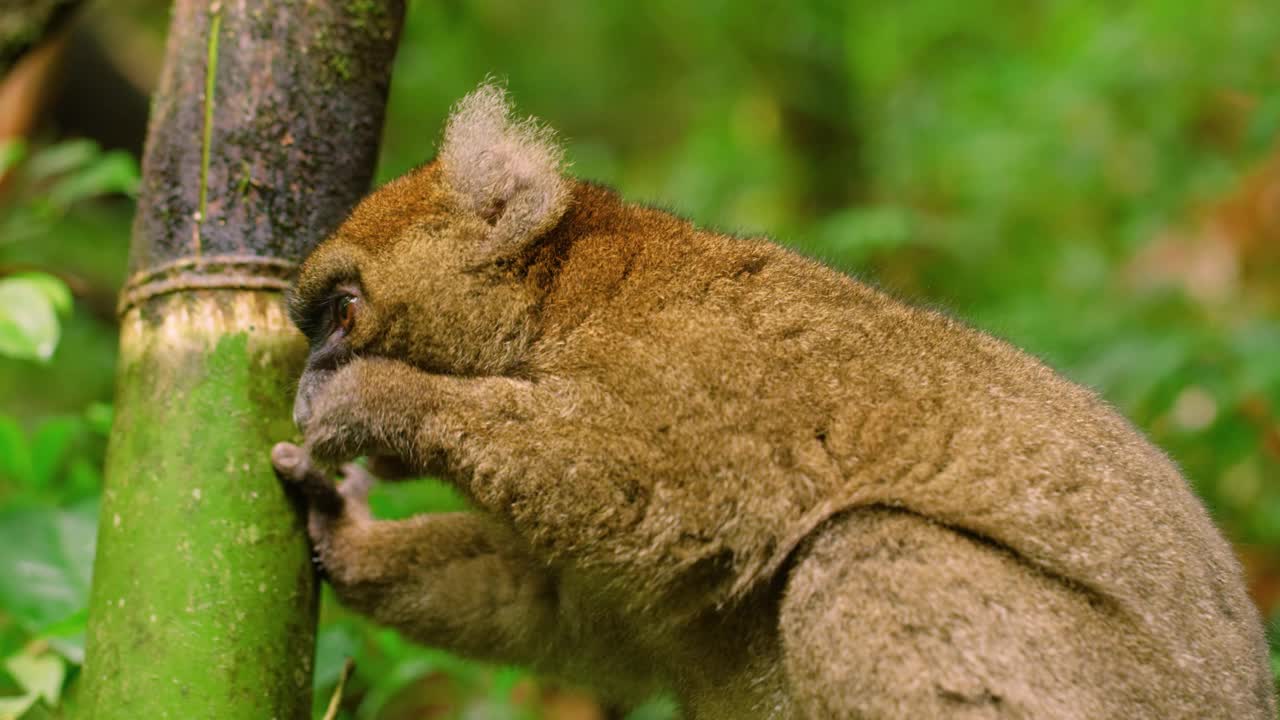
point(703, 464)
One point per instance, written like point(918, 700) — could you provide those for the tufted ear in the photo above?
point(506, 171)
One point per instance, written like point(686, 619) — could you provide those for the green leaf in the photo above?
point(99, 416)
point(42, 711)
point(857, 233)
point(53, 288)
point(67, 636)
point(12, 639)
point(62, 158)
point(39, 675)
point(29, 308)
point(12, 708)
point(12, 151)
point(83, 477)
point(28, 323)
point(15, 452)
point(46, 560)
point(391, 501)
point(49, 444)
point(115, 172)
point(334, 645)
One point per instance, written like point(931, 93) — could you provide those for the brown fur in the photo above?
point(705, 464)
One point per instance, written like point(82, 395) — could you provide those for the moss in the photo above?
point(337, 62)
point(340, 65)
point(245, 179)
point(208, 573)
point(365, 13)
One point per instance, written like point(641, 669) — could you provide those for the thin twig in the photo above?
point(336, 699)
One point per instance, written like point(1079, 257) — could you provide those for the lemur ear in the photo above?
point(506, 171)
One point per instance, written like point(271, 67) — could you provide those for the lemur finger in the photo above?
point(296, 468)
point(356, 482)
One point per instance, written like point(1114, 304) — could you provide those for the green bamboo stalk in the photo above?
point(264, 133)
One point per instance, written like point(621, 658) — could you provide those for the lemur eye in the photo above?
point(344, 312)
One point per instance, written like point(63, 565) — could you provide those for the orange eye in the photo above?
point(345, 312)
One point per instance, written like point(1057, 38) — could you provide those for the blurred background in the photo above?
point(1097, 182)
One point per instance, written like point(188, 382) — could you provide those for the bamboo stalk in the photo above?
point(264, 133)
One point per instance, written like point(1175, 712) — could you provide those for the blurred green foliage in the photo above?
point(1054, 172)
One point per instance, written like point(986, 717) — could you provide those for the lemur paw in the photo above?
point(328, 505)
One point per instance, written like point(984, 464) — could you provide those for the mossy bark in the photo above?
point(204, 599)
point(263, 134)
